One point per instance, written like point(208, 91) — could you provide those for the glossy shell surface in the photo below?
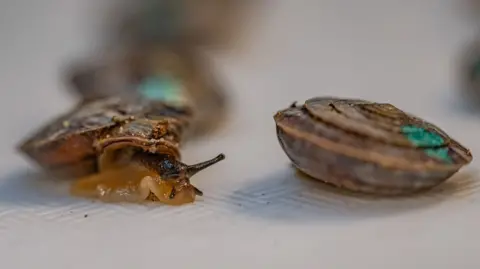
point(367, 147)
point(71, 144)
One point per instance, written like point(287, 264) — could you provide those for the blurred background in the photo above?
point(413, 54)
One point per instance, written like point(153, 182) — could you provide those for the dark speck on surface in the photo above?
point(85, 216)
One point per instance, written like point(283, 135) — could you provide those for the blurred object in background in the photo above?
point(174, 74)
point(192, 22)
point(468, 65)
point(155, 51)
point(470, 74)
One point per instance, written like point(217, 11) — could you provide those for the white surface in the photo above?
point(255, 214)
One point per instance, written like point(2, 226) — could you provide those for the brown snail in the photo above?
point(367, 147)
point(119, 150)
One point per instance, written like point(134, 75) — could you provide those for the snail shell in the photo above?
point(367, 147)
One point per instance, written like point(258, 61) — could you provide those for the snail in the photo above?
point(119, 150)
point(367, 147)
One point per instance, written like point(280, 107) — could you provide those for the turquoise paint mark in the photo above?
point(441, 153)
point(161, 88)
point(423, 138)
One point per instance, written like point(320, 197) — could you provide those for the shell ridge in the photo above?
point(386, 139)
point(356, 128)
point(369, 156)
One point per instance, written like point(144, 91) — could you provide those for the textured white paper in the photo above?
point(255, 212)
